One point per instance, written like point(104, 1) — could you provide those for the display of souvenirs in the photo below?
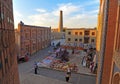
point(59, 65)
point(59, 62)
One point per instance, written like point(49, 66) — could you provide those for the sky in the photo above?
point(76, 13)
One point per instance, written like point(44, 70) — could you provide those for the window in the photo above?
point(69, 39)
point(86, 40)
point(69, 33)
point(76, 33)
point(87, 32)
point(93, 33)
point(80, 33)
point(92, 40)
point(76, 39)
point(80, 40)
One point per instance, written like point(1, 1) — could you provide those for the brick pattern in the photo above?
point(116, 56)
point(31, 39)
point(107, 66)
point(108, 63)
point(8, 62)
point(117, 40)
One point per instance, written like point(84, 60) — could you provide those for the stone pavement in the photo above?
point(40, 55)
point(26, 67)
point(27, 77)
point(60, 75)
point(30, 78)
point(39, 79)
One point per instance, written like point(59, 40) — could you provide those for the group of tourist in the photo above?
point(89, 59)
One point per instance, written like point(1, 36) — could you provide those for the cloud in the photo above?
point(40, 10)
point(17, 14)
point(81, 20)
point(43, 19)
point(75, 16)
point(67, 8)
point(52, 18)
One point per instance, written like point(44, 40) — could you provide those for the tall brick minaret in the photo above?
point(60, 27)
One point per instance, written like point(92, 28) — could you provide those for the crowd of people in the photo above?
point(89, 59)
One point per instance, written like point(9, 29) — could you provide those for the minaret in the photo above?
point(60, 27)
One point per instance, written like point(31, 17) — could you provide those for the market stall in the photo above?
point(58, 60)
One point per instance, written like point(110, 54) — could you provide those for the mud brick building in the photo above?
point(8, 62)
point(108, 42)
point(30, 39)
point(80, 35)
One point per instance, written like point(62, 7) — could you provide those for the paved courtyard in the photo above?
point(60, 75)
point(50, 76)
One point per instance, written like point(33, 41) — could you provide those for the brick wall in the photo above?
point(32, 38)
point(8, 58)
point(112, 15)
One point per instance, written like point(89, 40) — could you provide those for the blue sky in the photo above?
point(76, 13)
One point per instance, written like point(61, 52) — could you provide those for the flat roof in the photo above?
point(80, 28)
point(21, 23)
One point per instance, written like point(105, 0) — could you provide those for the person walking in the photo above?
point(53, 44)
point(67, 77)
point(73, 51)
point(36, 68)
point(84, 61)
